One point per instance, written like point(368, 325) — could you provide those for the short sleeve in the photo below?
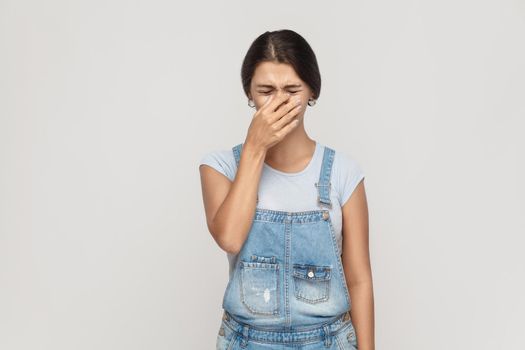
point(348, 174)
point(223, 161)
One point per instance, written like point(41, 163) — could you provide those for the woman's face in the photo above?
point(271, 78)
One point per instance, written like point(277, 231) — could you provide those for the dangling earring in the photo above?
point(251, 105)
point(311, 102)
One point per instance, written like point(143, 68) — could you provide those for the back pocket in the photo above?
point(312, 282)
point(260, 285)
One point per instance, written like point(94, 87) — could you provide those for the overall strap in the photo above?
point(324, 184)
point(237, 153)
point(237, 149)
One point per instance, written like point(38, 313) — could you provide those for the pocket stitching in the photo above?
point(230, 336)
point(346, 335)
point(232, 341)
point(270, 267)
point(320, 281)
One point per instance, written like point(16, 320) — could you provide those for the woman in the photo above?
point(292, 215)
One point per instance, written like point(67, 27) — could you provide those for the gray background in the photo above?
point(107, 106)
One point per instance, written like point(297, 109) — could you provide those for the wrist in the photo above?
point(253, 151)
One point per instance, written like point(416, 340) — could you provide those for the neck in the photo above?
point(294, 148)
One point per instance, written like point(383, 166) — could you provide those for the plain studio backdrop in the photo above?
point(106, 108)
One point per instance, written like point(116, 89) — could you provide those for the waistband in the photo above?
point(323, 331)
point(263, 214)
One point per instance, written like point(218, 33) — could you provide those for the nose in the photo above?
point(283, 93)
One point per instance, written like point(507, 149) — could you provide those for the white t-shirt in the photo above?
point(297, 191)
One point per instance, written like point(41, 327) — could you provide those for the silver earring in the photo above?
point(311, 102)
point(252, 103)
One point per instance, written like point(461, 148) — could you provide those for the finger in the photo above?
point(275, 102)
point(264, 105)
point(267, 102)
point(287, 128)
point(285, 119)
point(292, 105)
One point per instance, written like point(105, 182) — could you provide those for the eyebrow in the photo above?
point(271, 86)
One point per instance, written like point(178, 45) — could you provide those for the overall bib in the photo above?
point(288, 289)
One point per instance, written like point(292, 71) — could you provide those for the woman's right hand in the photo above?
point(273, 121)
point(230, 205)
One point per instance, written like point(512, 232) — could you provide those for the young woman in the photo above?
point(291, 214)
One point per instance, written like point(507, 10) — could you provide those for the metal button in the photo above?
point(326, 215)
point(310, 274)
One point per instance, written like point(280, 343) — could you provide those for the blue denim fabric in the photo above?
point(288, 288)
point(333, 335)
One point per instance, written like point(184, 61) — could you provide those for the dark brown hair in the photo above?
point(282, 46)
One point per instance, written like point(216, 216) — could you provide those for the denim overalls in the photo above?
point(288, 289)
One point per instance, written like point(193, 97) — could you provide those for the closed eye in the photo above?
point(267, 92)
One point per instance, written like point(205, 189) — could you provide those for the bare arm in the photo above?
point(230, 206)
point(356, 263)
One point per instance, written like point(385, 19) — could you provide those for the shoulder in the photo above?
point(345, 161)
point(221, 160)
point(347, 172)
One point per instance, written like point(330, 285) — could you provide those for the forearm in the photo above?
point(235, 215)
point(362, 314)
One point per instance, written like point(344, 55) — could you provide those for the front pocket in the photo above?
point(312, 282)
point(347, 338)
point(225, 338)
point(260, 286)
